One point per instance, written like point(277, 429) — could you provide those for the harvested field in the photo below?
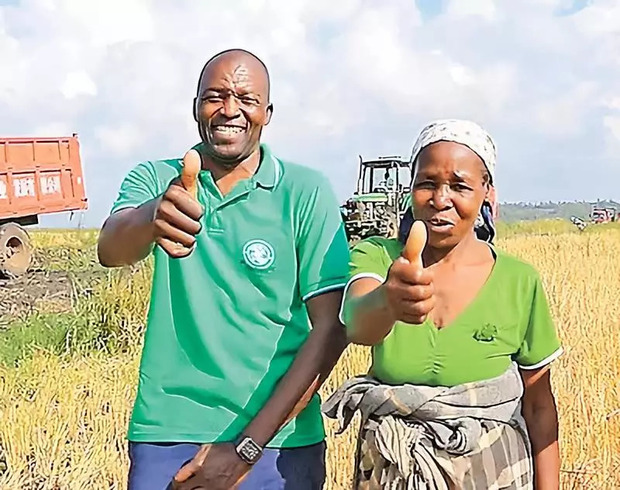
point(70, 360)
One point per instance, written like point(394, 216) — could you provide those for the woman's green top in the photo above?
point(509, 320)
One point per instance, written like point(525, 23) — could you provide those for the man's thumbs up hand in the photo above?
point(191, 169)
point(409, 286)
point(177, 217)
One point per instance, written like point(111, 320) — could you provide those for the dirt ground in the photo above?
point(29, 292)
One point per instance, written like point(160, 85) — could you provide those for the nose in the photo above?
point(441, 198)
point(230, 107)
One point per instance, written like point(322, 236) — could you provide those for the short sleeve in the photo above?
point(322, 246)
point(541, 344)
point(138, 187)
point(369, 258)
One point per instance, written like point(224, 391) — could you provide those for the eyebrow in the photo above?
point(240, 92)
point(459, 176)
point(462, 177)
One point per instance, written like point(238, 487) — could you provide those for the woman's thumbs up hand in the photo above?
point(409, 286)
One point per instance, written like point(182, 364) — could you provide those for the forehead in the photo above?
point(235, 71)
point(448, 156)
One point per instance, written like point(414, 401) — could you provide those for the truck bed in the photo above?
point(40, 176)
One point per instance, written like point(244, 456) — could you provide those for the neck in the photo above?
point(226, 175)
point(456, 253)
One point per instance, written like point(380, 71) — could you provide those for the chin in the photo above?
point(226, 153)
point(233, 151)
point(442, 241)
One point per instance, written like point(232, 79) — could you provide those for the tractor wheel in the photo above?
point(15, 251)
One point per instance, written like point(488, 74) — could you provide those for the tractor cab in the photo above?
point(379, 200)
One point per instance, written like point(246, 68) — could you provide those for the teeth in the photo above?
point(228, 129)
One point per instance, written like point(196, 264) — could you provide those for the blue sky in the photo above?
point(349, 77)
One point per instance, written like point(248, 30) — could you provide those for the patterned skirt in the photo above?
point(395, 454)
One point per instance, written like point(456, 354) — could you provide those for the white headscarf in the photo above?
point(461, 131)
point(473, 136)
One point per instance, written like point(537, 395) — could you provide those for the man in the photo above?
point(243, 321)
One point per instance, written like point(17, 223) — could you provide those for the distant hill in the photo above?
point(511, 212)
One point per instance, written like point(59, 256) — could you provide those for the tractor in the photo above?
point(604, 215)
point(380, 199)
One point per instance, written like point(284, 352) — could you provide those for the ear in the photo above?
point(491, 198)
point(195, 109)
point(269, 113)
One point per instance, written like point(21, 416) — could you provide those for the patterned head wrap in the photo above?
point(473, 136)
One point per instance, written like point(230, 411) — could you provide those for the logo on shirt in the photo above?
point(258, 254)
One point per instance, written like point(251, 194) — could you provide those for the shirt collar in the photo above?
point(269, 169)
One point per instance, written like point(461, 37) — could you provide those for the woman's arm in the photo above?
point(541, 417)
point(371, 308)
point(366, 313)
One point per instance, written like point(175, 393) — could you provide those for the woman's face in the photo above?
point(449, 187)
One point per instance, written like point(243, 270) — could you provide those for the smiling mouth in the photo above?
point(227, 130)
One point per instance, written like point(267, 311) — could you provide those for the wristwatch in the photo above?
point(248, 450)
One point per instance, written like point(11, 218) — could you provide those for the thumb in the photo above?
point(186, 472)
point(416, 241)
point(191, 167)
point(191, 468)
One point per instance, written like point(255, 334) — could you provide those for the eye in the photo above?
point(425, 184)
point(249, 100)
point(212, 98)
point(460, 187)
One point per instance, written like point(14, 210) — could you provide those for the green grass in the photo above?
point(107, 308)
point(57, 334)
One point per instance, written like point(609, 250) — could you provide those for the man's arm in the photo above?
point(144, 218)
point(127, 236)
point(217, 466)
point(541, 417)
point(171, 221)
point(323, 266)
point(311, 367)
point(323, 254)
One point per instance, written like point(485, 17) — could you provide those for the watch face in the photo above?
point(249, 450)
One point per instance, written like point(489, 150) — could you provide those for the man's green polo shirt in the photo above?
point(225, 323)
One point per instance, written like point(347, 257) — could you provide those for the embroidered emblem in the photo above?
point(487, 333)
point(259, 254)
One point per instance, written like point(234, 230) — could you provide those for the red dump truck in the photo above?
point(37, 176)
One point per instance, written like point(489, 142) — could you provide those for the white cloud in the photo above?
point(600, 18)
point(120, 139)
point(564, 114)
point(484, 9)
point(462, 75)
point(112, 21)
point(349, 77)
point(613, 102)
point(78, 83)
point(612, 123)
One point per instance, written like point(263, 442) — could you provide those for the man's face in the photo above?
point(232, 107)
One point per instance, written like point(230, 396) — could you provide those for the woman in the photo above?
point(458, 395)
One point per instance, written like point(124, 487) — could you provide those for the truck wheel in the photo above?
point(15, 250)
